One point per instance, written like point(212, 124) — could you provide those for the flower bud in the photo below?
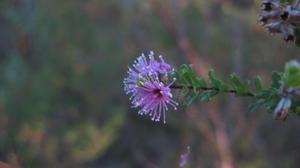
point(292, 74)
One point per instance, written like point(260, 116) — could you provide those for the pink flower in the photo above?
point(144, 67)
point(160, 67)
point(148, 92)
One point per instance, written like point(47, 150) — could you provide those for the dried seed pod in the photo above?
point(287, 31)
point(296, 93)
point(269, 5)
point(282, 108)
point(284, 15)
point(270, 16)
point(274, 27)
point(280, 18)
point(294, 16)
point(296, 24)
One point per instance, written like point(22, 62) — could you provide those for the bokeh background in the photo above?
point(62, 103)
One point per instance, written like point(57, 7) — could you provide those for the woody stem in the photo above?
point(174, 86)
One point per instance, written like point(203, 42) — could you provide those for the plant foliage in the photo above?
point(204, 89)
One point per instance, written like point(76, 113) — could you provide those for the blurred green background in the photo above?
point(62, 103)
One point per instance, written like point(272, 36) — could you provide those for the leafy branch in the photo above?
point(200, 88)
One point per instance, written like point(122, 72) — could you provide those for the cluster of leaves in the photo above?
point(204, 89)
point(268, 97)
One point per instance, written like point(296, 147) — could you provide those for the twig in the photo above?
point(211, 88)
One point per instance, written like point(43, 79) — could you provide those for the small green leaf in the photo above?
point(216, 83)
point(284, 2)
point(223, 87)
point(207, 95)
point(237, 84)
point(213, 81)
point(276, 79)
point(269, 93)
point(295, 108)
point(257, 83)
point(271, 104)
point(248, 85)
point(255, 105)
point(201, 82)
point(190, 99)
point(264, 94)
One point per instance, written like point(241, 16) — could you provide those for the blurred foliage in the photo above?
point(53, 95)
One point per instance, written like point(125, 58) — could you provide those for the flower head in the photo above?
point(148, 91)
point(142, 67)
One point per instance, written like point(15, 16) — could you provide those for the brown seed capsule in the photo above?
point(296, 24)
point(296, 93)
point(294, 16)
point(282, 108)
point(270, 16)
point(287, 31)
point(284, 15)
point(274, 27)
point(286, 12)
point(280, 18)
point(269, 5)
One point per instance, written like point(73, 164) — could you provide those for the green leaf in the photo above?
point(201, 82)
point(295, 108)
point(248, 85)
point(207, 95)
point(237, 84)
point(257, 83)
point(255, 105)
point(284, 2)
point(276, 79)
point(264, 94)
point(216, 83)
point(271, 104)
point(213, 80)
point(223, 87)
point(190, 99)
point(269, 93)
